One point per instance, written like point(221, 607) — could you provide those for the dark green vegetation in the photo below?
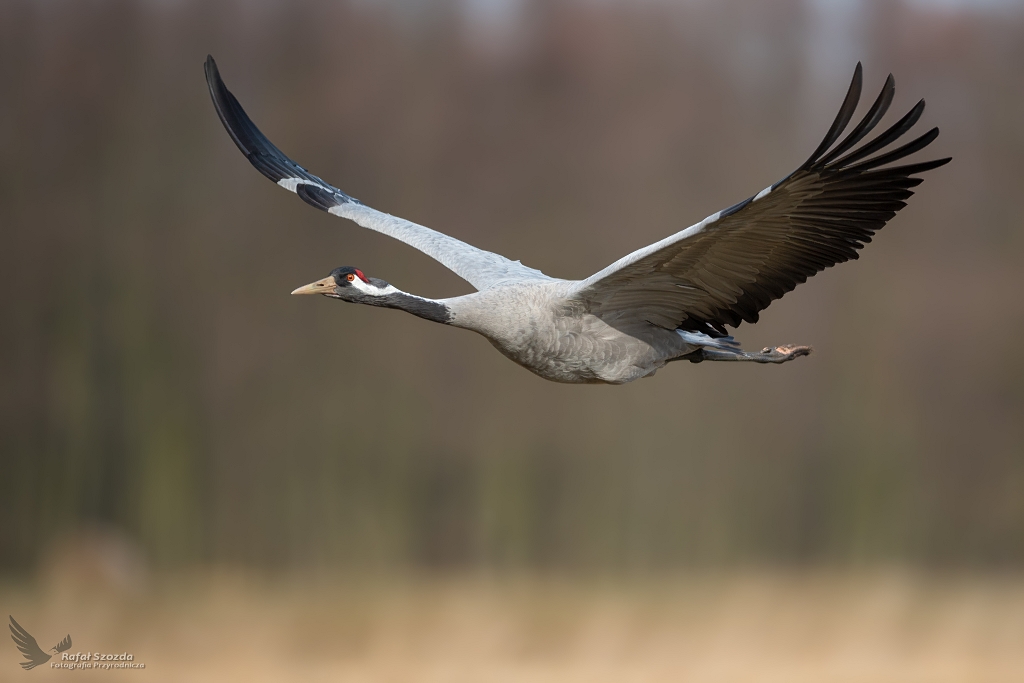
point(155, 375)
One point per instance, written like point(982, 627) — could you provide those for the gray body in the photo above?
point(668, 301)
point(536, 325)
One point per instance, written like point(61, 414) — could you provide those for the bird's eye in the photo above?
point(350, 277)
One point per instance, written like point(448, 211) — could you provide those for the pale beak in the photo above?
point(325, 286)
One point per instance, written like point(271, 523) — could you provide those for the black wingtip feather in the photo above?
point(892, 134)
point(896, 154)
point(844, 115)
point(261, 152)
point(252, 143)
point(867, 124)
point(222, 102)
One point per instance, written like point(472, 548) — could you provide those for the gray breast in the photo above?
point(534, 325)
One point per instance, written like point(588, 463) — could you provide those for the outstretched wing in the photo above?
point(63, 645)
point(733, 264)
point(482, 269)
point(28, 646)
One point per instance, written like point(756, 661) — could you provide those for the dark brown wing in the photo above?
point(732, 265)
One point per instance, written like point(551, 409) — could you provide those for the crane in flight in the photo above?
point(671, 300)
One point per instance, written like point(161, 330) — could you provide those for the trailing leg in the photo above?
point(727, 348)
point(775, 354)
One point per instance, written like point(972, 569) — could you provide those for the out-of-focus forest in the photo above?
point(159, 383)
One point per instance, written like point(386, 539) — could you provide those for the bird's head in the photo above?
point(349, 284)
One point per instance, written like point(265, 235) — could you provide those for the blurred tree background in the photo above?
point(157, 379)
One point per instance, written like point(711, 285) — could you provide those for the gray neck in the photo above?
point(380, 293)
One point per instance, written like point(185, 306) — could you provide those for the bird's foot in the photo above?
point(781, 354)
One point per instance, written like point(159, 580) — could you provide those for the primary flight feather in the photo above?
point(669, 301)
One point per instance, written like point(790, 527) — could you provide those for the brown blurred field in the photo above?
point(751, 626)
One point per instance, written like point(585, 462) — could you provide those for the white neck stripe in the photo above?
point(367, 288)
